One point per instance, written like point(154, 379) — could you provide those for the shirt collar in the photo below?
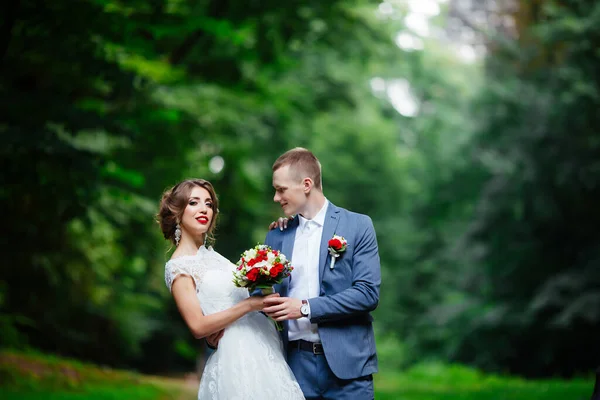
point(319, 219)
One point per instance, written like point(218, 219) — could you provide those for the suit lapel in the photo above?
point(332, 218)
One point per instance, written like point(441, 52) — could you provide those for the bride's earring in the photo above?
point(177, 234)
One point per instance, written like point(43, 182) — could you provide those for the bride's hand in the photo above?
point(257, 303)
point(281, 223)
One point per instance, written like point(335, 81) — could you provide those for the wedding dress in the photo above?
point(249, 362)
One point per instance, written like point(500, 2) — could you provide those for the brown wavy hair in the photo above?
point(175, 200)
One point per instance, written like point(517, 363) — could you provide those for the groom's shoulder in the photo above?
point(361, 220)
point(276, 234)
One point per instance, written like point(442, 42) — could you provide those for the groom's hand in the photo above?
point(213, 339)
point(282, 308)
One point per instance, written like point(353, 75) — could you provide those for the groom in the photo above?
point(328, 331)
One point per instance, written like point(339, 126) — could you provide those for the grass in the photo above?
point(436, 381)
point(29, 376)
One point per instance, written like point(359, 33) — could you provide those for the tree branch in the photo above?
point(180, 52)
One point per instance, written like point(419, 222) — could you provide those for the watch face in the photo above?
point(304, 309)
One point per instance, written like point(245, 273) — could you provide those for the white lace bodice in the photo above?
point(249, 362)
point(212, 274)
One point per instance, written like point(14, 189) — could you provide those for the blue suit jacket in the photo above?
point(348, 293)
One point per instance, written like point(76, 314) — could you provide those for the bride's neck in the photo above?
point(189, 245)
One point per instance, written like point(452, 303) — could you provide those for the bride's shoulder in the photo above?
point(186, 259)
point(185, 254)
point(179, 259)
point(205, 257)
point(185, 264)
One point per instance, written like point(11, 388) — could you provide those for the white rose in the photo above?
point(263, 264)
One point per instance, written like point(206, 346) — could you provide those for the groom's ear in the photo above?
point(307, 184)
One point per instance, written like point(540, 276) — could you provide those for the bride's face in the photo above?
point(198, 214)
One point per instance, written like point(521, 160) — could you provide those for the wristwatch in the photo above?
point(304, 308)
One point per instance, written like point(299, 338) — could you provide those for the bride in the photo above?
point(249, 363)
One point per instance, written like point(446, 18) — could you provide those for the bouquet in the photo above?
point(260, 268)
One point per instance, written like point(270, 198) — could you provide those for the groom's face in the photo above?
point(290, 193)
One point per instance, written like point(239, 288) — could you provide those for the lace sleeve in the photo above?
point(182, 266)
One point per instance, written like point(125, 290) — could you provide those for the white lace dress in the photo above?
point(249, 362)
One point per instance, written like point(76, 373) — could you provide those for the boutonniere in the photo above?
point(336, 246)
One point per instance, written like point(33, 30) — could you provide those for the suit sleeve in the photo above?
point(363, 296)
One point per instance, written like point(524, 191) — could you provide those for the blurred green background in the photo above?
point(467, 130)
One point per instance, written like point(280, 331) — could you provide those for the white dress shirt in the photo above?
point(305, 283)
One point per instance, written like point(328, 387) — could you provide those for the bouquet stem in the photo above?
point(265, 292)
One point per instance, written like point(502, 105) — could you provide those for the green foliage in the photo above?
point(392, 354)
point(518, 241)
point(543, 190)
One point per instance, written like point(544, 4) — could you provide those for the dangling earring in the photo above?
point(177, 234)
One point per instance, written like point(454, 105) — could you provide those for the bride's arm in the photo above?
point(200, 325)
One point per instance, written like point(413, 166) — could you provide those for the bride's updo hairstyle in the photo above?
point(173, 204)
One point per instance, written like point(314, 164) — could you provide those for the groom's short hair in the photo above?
point(303, 163)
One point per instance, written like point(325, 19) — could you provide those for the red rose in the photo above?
point(335, 244)
point(252, 274)
point(261, 255)
point(276, 270)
